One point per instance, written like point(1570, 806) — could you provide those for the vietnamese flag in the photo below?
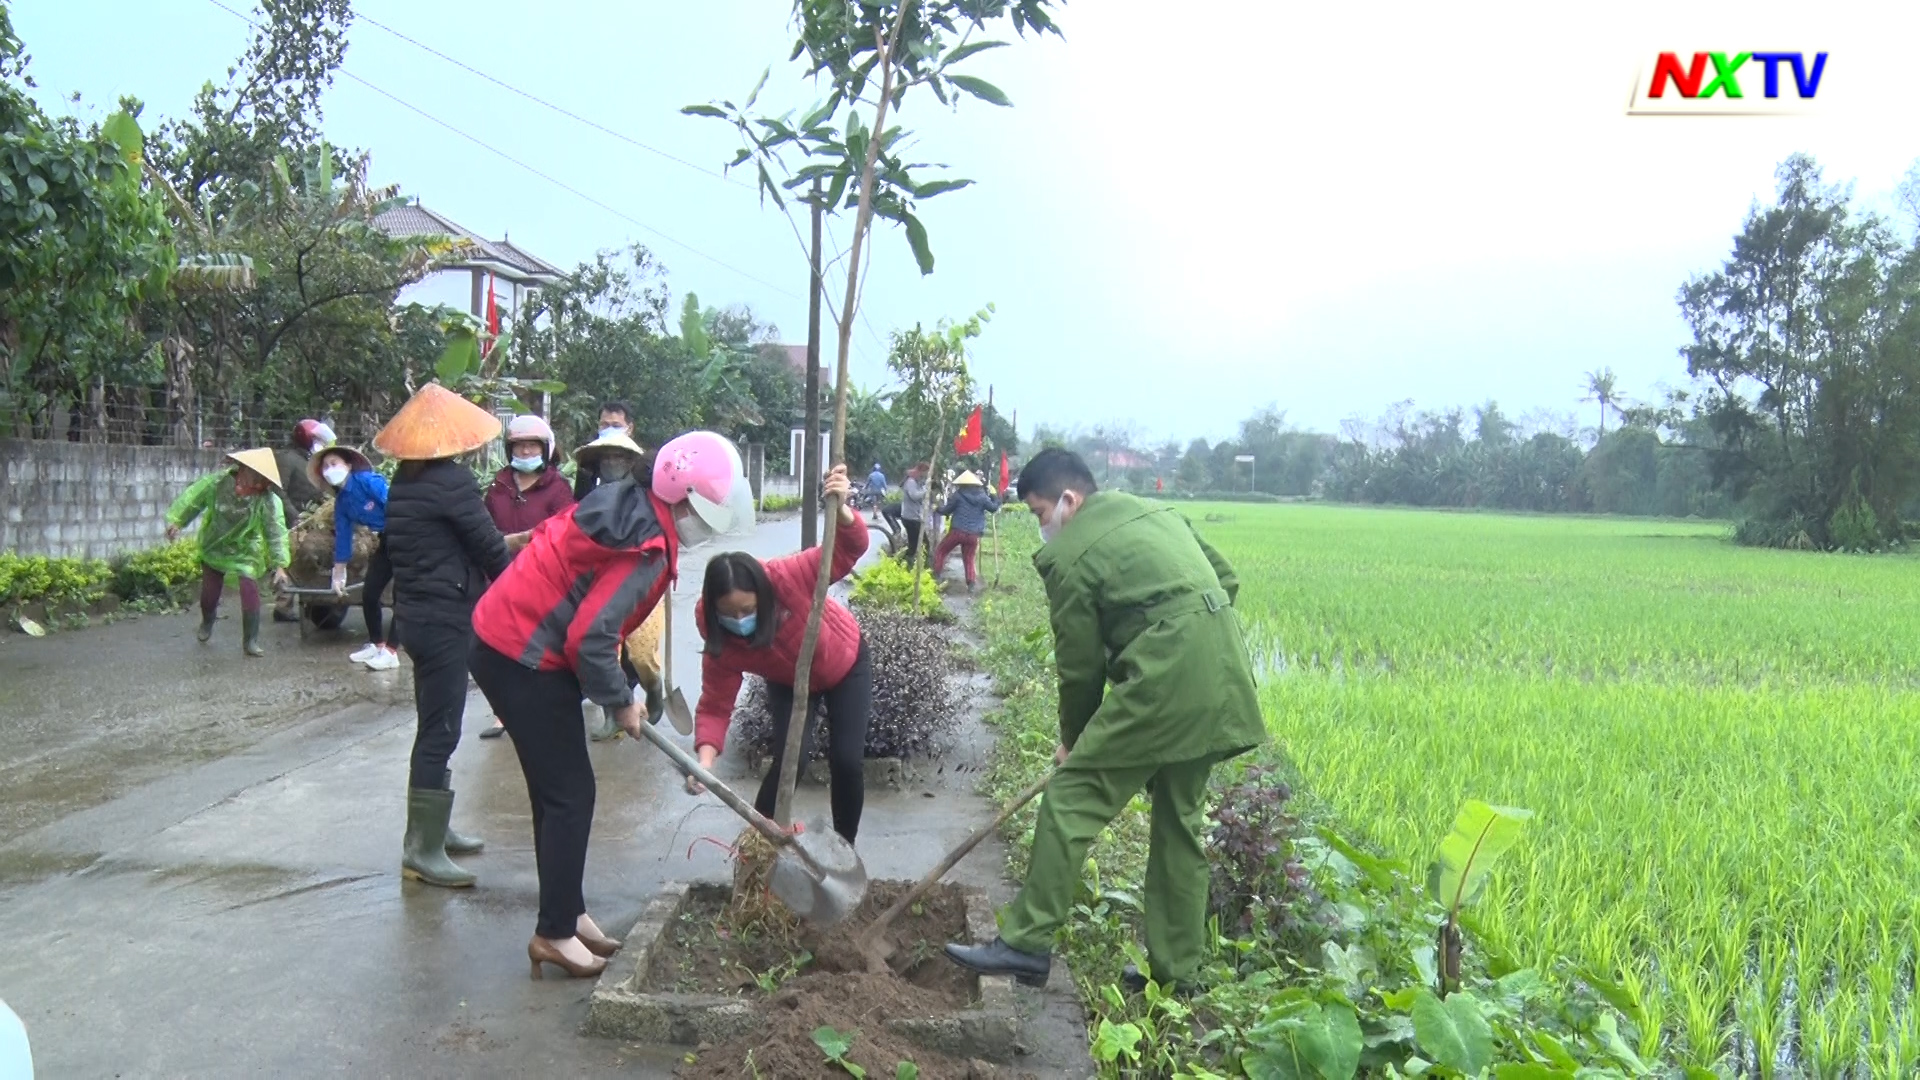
point(493, 319)
point(1004, 475)
point(968, 441)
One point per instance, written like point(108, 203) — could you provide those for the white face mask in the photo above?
point(1057, 517)
point(335, 474)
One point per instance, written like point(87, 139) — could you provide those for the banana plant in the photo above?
point(1481, 834)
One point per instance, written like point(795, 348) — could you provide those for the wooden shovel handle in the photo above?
point(920, 889)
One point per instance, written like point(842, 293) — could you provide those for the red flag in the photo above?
point(493, 319)
point(969, 440)
point(1158, 485)
point(1004, 475)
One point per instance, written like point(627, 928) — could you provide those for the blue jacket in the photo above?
point(362, 500)
point(967, 508)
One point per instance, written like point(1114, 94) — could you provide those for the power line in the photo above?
point(538, 100)
point(577, 118)
point(555, 181)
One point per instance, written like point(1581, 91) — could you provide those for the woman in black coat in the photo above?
point(445, 549)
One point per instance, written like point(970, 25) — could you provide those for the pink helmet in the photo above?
point(704, 469)
point(312, 435)
point(529, 428)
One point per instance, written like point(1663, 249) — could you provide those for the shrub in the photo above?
point(28, 579)
point(157, 572)
point(887, 585)
point(1256, 883)
point(1792, 532)
point(775, 504)
point(1854, 527)
point(914, 706)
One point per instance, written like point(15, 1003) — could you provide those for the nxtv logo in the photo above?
point(1711, 84)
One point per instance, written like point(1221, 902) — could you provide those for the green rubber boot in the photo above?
point(423, 855)
point(459, 843)
point(250, 634)
point(205, 633)
point(656, 701)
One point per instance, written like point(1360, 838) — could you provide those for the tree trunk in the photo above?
point(862, 222)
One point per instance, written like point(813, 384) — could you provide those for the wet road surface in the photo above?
point(199, 860)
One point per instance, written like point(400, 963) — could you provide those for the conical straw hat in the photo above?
point(260, 460)
point(604, 443)
point(356, 461)
point(436, 423)
point(968, 479)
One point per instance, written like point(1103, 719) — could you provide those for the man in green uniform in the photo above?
point(1156, 687)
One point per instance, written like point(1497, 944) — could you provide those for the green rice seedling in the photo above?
point(1718, 742)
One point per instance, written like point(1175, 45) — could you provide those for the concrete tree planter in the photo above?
point(621, 1007)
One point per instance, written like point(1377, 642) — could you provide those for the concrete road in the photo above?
point(199, 861)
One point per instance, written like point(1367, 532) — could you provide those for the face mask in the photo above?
point(1056, 518)
point(529, 464)
point(335, 475)
point(613, 470)
point(742, 627)
point(614, 429)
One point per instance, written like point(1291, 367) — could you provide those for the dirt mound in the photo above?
point(804, 978)
point(311, 540)
point(853, 1007)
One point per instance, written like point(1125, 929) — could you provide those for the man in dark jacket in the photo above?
point(616, 418)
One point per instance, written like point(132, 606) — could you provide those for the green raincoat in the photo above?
point(244, 535)
point(1152, 665)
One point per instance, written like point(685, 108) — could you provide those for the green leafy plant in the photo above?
point(777, 976)
point(887, 585)
point(157, 573)
point(836, 1046)
point(1481, 834)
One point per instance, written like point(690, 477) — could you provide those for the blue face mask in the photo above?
point(529, 464)
point(616, 430)
point(742, 627)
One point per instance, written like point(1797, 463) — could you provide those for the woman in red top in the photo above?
point(548, 631)
point(753, 616)
point(525, 493)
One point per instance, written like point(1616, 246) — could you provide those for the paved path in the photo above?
point(199, 861)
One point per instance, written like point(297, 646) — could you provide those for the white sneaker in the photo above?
point(363, 654)
point(383, 660)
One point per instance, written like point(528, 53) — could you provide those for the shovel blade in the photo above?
point(819, 877)
point(678, 713)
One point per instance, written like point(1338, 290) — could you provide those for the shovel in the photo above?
point(871, 944)
point(677, 711)
point(817, 875)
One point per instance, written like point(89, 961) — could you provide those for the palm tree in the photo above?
point(1600, 389)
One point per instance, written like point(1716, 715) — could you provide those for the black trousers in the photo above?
point(439, 653)
point(849, 709)
point(379, 575)
point(541, 710)
point(913, 541)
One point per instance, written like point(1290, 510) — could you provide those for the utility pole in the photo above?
point(810, 467)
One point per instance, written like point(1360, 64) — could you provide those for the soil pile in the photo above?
point(311, 540)
point(804, 978)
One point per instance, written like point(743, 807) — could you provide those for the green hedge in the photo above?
point(40, 579)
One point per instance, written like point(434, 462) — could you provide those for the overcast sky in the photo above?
point(1328, 207)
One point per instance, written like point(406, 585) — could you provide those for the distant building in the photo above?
point(461, 282)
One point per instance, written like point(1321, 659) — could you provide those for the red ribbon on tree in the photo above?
point(1004, 475)
point(493, 319)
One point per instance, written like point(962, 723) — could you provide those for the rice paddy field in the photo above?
point(1720, 746)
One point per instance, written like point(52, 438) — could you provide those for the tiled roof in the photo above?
point(501, 256)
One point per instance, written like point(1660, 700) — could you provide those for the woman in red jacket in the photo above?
point(547, 631)
point(753, 616)
point(525, 493)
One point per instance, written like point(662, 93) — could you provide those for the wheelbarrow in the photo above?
point(817, 874)
point(323, 608)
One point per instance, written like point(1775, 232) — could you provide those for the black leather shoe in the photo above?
point(1000, 958)
point(1135, 982)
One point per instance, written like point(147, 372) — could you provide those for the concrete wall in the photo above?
point(83, 499)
